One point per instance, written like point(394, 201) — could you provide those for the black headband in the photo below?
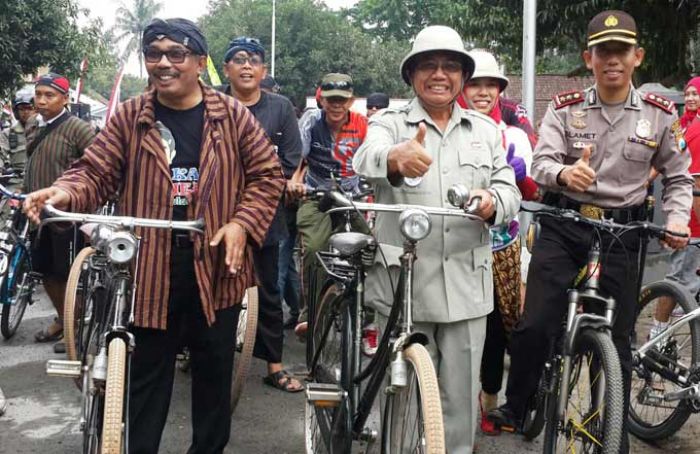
point(181, 31)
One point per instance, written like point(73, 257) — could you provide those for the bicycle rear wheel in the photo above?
point(592, 420)
point(651, 417)
point(113, 422)
point(77, 308)
point(16, 287)
point(413, 414)
point(245, 342)
point(329, 335)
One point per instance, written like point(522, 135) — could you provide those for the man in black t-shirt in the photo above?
point(244, 66)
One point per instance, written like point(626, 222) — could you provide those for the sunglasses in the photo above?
point(339, 85)
point(153, 55)
point(254, 60)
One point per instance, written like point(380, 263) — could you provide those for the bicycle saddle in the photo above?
point(350, 243)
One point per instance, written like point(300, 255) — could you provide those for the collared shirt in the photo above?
point(240, 181)
point(452, 279)
point(327, 155)
point(624, 150)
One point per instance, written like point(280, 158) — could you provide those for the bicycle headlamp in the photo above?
point(415, 224)
point(122, 247)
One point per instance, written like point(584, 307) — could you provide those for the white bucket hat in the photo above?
point(437, 38)
point(485, 65)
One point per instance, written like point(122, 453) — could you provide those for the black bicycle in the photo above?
point(343, 390)
point(579, 400)
point(17, 280)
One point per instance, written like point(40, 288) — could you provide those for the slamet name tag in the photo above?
point(477, 145)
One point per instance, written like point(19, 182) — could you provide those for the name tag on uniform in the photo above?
point(477, 145)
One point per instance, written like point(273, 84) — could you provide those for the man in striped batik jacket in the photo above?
point(181, 151)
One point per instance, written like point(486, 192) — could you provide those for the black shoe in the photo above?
point(505, 418)
point(291, 323)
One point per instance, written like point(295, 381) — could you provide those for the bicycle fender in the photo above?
point(416, 338)
point(596, 322)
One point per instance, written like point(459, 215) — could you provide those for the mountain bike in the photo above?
point(103, 281)
point(17, 280)
point(579, 400)
point(342, 390)
point(666, 363)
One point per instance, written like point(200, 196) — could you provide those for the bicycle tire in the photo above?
point(14, 284)
point(647, 382)
point(242, 364)
point(327, 336)
point(113, 422)
point(429, 431)
point(74, 301)
point(593, 438)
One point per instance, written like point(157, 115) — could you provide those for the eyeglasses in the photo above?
point(449, 66)
point(337, 85)
point(153, 55)
point(254, 60)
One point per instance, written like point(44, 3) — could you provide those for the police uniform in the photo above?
point(627, 140)
point(13, 150)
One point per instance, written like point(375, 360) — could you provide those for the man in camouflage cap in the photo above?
point(594, 155)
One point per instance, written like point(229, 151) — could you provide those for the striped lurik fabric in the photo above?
point(56, 152)
point(240, 181)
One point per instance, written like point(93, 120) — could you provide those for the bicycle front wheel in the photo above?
point(592, 419)
point(245, 342)
point(413, 414)
point(113, 423)
point(651, 416)
point(16, 288)
point(77, 310)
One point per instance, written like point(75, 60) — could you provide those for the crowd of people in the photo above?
point(237, 156)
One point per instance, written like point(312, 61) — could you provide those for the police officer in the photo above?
point(594, 155)
point(13, 141)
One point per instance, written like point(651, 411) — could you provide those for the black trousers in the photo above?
point(270, 334)
point(494, 350)
point(558, 255)
point(153, 367)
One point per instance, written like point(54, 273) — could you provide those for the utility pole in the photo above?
point(529, 35)
point(274, 20)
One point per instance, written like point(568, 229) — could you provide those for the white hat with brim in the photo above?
point(485, 65)
point(436, 38)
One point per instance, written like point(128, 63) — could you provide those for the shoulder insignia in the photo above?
point(568, 98)
point(660, 102)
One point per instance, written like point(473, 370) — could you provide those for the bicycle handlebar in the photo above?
point(7, 193)
point(56, 215)
point(346, 205)
point(601, 224)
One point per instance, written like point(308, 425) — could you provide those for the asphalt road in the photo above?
point(43, 412)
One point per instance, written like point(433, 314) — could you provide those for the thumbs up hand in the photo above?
point(517, 163)
point(409, 159)
point(579, 176)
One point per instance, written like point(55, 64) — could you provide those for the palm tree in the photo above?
point(131, 22)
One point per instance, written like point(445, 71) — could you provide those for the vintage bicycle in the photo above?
point(342, 391)
point(100, 342)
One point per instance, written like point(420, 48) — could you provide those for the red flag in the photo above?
point(79, 86)
point(114, 96)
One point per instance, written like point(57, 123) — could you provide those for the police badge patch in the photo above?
point(677, 132)
point(643, 129)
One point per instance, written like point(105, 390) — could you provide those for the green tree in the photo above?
point(311, 41)
point(131, 22)
point(34, 33)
